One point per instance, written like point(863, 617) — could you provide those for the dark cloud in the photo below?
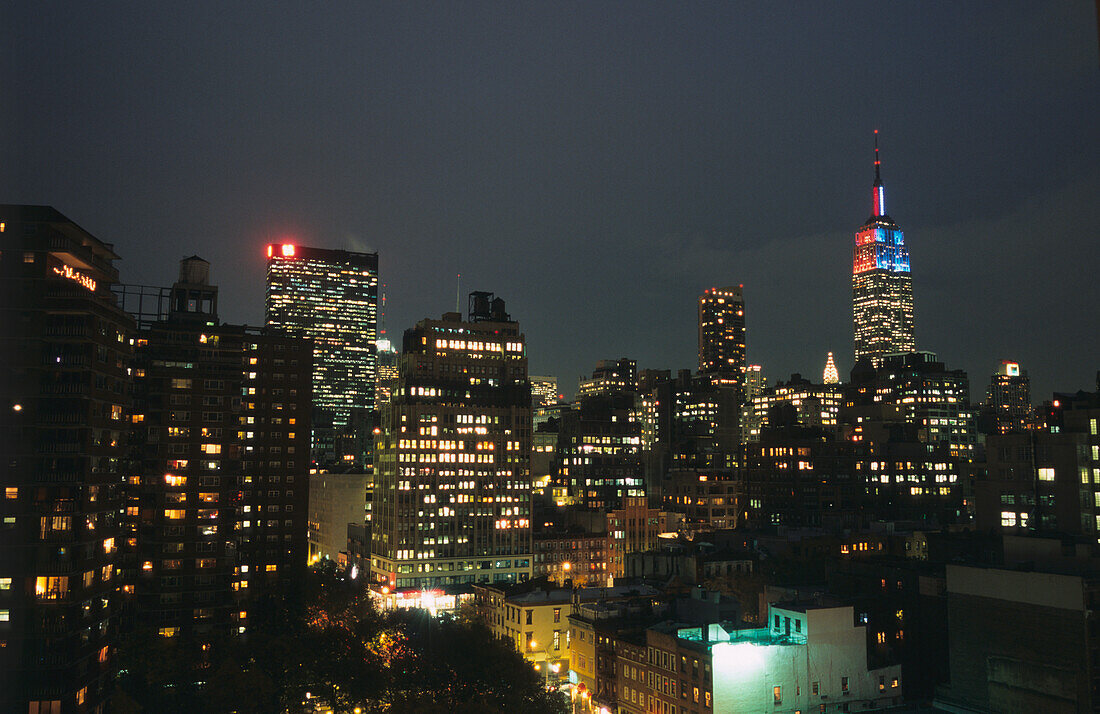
point(597, 164)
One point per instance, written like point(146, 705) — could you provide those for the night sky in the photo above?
point(595, 164)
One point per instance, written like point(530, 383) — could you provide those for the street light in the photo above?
point(533, 646)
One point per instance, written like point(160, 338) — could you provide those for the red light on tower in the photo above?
point(288, 250)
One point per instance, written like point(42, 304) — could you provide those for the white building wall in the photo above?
point(829, 648)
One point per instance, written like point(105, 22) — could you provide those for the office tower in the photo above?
point(754, 387)
point(216, 511)
point(1009, 398)
point(611, 377)
point(882, 288)
point(598, 452)
point(544, 391)
point(927, 394)
point(452, 498)
point(65, 351)
point(722, 333)
point(830, 376)
point(330, 297)
point(387, 360)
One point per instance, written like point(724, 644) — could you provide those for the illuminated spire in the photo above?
point(879, 197)
point(831, 375)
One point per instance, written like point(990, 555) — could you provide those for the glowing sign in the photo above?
point(270, 251)
point(1012, 369)
point(67, 271)
point(288, 251)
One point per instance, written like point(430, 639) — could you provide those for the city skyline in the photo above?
point(711, 159)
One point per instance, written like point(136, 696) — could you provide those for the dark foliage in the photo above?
point(328, 640)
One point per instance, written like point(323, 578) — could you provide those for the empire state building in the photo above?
point(882, 288)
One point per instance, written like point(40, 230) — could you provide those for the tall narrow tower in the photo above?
point(722, 334)
point(882, 288)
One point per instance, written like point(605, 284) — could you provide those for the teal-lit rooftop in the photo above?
point(757, 635)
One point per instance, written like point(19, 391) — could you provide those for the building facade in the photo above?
point(611, 377)
point(809, 658)
point(215, 513)
point(544, 391)
point(386, 364)
point(330, 297)
point(929, 395)
point(1009, 399)
point(1020, 641)
point(452, 498)
point(579, 557)
point(722, 333)
point(335, 501)
point(882, 287)
point(816, 405)
point(66, 353)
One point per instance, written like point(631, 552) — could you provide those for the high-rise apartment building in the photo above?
point(64, 400)
point(1009, 398)
point(330, 297)
point(722, 333)
point(452, 497)
point(216, 510)
point(882, 287)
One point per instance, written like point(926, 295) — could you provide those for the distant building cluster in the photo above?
point(665, 542)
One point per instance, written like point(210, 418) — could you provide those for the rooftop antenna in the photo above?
point(382, 316)
point(458, 294)
point(879, 197)
point(878, 178)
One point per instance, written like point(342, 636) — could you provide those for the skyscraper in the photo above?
point(330, 297)
point(386, 359)
point(882, 288)
point(216, 512)
point(1009, 398)
point(452, 498)
point(65, 354)
point(830, 375)
point(722, 333)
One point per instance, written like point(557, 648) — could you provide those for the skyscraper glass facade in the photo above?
point(330, 297)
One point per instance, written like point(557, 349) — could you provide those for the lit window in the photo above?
point(51, 587)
